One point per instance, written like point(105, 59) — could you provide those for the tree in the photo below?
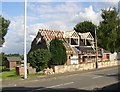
point(108, 30)
point(85, 26)
point(2, 60)
point(39, 59)
point(4, 24)
point(58, 52)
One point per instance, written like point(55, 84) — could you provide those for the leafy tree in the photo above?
point(39, 59)
point(3, 29)
point(58, 52)
point(2, 60)
point(12, 54)
point(85, 26)
point(109, 30)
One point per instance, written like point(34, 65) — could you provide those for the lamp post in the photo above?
point(96, 62)
point(25, 55)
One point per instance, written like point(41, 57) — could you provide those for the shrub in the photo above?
point(58, 52)
point(39, 59)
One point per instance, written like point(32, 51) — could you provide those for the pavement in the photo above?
point(84, 81)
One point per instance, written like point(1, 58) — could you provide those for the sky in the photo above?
point(49, 14)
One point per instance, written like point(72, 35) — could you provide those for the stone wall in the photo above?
point(20, 70)
point(81, 67)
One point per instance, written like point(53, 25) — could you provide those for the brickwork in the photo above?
point(12, 64)
point(20, 70)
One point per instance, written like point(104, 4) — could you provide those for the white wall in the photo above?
point(113, 56)
point(74, 59)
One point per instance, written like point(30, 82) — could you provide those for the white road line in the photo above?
point(72, 75)
point(111, 74)
point(58, 85)
point(97, 77)
point(53, 86)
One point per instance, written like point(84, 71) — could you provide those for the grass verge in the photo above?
point(9, 74)
point(12, 75)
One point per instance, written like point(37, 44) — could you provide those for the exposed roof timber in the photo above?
point(86, 35)
point(51, 34)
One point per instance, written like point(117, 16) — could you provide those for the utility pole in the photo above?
point(96, 62)
point(25, 55)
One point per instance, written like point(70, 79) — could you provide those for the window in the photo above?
point(17, 63)
point(107, 56)
point(74, 41)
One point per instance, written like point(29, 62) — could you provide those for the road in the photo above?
point(81, 81)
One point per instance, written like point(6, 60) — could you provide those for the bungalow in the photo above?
point(12, 62)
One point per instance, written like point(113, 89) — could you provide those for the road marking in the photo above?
point(52, 86)
point(111, 74)
point(72, 75)
point(97, 77)
point(57, 85)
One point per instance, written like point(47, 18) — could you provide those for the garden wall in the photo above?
point(81, 67)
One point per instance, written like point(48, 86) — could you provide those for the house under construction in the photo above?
point(80, 47)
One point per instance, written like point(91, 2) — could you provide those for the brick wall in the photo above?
point(12, 64)
point(20, 70)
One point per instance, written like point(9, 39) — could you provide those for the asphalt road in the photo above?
point(96, 80)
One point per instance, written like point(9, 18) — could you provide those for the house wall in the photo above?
point(68, 60)
point(12, 64)
point(106, 56)
point(74, 59)
point(113, 56)
point(81, 67)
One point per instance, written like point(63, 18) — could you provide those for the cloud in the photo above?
point(41, 0)
point(14, 40)
point(15, 37)
point(61, 21)
point(67, 7)
point(62, 16)
point(88, 14)
point(31, 18)
point(65, 12)
point(111, 1)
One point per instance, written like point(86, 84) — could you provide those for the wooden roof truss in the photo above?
point(48, 35)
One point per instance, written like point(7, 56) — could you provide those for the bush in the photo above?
point(58, 52)
point(39, 59)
